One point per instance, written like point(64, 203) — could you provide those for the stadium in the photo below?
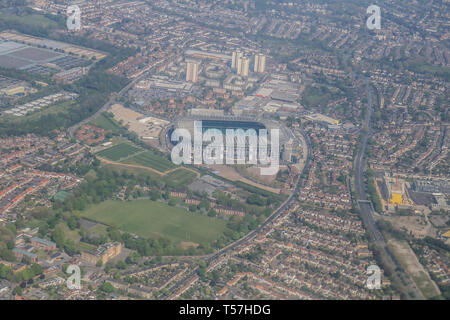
point(224, 123)
point(231, 122)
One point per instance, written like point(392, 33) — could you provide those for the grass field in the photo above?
point(119, 151)
point(148, 218)
point(408, 260)
point(180, 177)
point(105, 123)
point(152, 160)
point(31, 20)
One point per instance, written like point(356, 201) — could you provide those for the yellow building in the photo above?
point(396, 198)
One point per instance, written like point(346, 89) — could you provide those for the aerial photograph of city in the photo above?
point(227, 155)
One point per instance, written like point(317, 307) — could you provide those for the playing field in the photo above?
point(152, 160)
point(180, 177)
point(148, 218)
point(119, 151)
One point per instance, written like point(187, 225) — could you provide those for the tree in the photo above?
point(121, 265)
point(58, 237)
point(17, 290)
point(133, 258)
point(36, 269)
point(69, 247)
point(6, 272)
point(212, 213)
point(114, 234)
point(204, 204)
point(155, 195)
point(107, 287)
point(72, 222)
point(7, 255)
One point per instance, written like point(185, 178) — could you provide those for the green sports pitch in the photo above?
point(151, 160)
point(147, 218)
point(180, 177)
point(119, 151)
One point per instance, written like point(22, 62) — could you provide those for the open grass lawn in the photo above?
point(105, 123)
point(148, 218)
point(409, 262)
point(425, 285)
point(119, 151)
point(83, 246)
point(180, 177)
point(31, 20)
point(152, 160)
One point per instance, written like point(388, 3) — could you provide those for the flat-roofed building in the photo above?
point(103, 253)
point(192, 70)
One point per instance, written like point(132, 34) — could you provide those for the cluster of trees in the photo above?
point(23, 276)
point(102, 183)
point(239, 226)
point(373, 194)
point(6, 242)
point(160, 246)
point(27, 20)
point(256, 205)
point(68, 245)
point(94, 240)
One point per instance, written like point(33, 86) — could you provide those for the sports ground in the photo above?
point(147, 218)
point(127, 153)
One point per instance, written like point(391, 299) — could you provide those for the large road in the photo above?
point(365, 206)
